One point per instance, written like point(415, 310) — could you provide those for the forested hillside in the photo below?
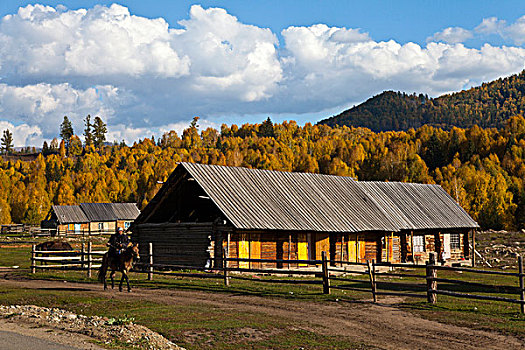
point(488, 105)
point(483, 169)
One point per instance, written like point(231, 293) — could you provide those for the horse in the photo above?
point(123, 263)
point(54, 245)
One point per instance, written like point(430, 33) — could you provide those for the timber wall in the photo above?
point(187, 244)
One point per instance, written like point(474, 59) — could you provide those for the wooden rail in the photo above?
point(33, 231)
point(430, 285)
point(77, 260)
point(432, 290)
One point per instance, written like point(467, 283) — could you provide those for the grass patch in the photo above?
point(190, 325)
point(15, 256)
point(195, 326)
point(485, 315)
point(477, 314)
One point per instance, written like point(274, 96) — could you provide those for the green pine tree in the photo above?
point(88, 133)
point(99, 132)
point(266, 129)
point(7, 142)
point(66, 131)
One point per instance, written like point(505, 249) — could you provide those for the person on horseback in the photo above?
point(118, 242)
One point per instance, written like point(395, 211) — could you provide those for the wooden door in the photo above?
point(255, 249)
point(244, 250)
point(396, 249)
point(302, 248)
point(361, 246)
point(352, 247)
point(370, 249)
point(322, 244)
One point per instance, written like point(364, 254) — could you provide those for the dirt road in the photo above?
point(22, 337)
point(380, 325)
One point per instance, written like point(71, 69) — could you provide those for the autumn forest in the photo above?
point(483, 169)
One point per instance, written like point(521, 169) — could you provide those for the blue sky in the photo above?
point(149, 66)
point(400, 20)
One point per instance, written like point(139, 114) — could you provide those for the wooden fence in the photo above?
point(326, 273)
point(35, 231)
point(84, 259)
point(26, 231)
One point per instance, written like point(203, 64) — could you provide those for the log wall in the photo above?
point(188, 244)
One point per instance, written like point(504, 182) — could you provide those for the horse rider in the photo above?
point(117, 243)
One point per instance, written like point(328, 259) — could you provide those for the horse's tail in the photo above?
point(103, 268)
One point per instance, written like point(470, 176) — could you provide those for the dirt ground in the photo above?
point(381, 325)
point(45, 334)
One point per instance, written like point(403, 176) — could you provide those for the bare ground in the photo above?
point(381, 325)
point(54, 337)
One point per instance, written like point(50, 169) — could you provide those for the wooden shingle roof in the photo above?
point(125, 211)
point(419, 206)
point(110, 211)
point(69, 214)
point(276, 200)
point(253, 199)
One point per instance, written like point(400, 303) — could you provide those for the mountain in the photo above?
point(488, 105)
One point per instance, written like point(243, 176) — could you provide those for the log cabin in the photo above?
point(107, 217)
point(67, 219)
point(90, 218)
point(204, 211)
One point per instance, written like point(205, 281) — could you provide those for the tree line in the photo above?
point(488, 105)
point(94, 136)
point(483, 169)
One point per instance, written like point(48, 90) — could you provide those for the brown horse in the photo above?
point(122, 263)
point(54, 245)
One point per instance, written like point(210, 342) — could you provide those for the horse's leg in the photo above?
point(127, 280)
point(112, 276)
point(121, 280)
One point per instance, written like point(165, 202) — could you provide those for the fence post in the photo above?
point(371, 274)
point(473, 248)
point(431, 275)
point(150, 267)
point(82, 256)
point(225, 267)
point(522, 292)
point(33, 256)
point(326, 279)
point(89, 259)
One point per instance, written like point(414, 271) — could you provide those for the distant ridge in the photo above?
point(488, 105)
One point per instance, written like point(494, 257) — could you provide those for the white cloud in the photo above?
point(322, 73)
point(142, 77)
point(41, 41)
point(451, 35)
point(227, 57)
point(45, 105)
point(23, 134)
point(491, 25)
point(516, 31)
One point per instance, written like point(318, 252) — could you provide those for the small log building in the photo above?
point(90, 218)
point(202, 211)
point(66, 219)
point(107, 217)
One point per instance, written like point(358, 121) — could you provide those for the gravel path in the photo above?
point(16, 336)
